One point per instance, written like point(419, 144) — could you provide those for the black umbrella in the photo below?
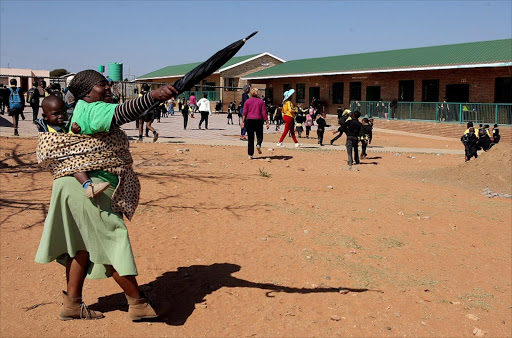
point(208, 67)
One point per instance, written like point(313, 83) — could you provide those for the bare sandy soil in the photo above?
point(264, 247)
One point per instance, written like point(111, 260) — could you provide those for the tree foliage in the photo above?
point(58, 72)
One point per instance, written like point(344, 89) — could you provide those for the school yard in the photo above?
point(413, 243)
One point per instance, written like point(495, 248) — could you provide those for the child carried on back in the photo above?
point(54, 121)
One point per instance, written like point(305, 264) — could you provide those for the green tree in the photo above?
point(58, 72)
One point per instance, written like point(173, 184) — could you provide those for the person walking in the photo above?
point(352, 128)
point(288, 112)
point(245, 97)
point(192, 104)
point(148, 118)
point(33, 96)
point(16, 104)
point(89, 237)
point(203, 105)
point(255, 114)
point(184, 112)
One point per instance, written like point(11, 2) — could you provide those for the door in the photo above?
point(355, 91)
point(373, 93)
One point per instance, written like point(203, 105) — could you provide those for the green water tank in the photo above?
point(101, 68)
point(115, 71)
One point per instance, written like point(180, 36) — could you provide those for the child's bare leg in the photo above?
point(82, 177)
point(91, 189)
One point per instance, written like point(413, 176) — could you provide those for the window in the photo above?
point(286, 87)
point(337, 92)
point(231, 83)
point(372, 93)
point(406, 90)
point(314, 93)
point(503, 90)
point(457, 93)
point(301, 92)
point(355, 91)
point(430, 91)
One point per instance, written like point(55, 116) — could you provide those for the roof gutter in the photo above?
point(382, 70)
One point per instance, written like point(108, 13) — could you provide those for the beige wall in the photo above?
point(23, 76)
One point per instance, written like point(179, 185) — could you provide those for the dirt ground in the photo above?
point(290, 246)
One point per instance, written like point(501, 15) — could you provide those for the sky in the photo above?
point(149, 35)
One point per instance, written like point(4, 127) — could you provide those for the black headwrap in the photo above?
point(83, 82)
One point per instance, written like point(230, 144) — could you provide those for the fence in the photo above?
point(125, 90)
point(454, 112)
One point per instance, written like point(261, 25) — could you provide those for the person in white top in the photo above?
point(203, 106)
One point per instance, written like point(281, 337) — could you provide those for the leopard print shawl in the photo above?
point(65, 154)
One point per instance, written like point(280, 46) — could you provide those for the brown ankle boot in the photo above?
point(140, 309)
point(74, 308)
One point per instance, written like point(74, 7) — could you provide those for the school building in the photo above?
point(24, 77)
point(221, 85)
point(478, 72)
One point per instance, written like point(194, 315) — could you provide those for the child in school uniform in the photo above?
point(495, 135)
point(54, 121)
point(321, 125)
point(366, 136)
point(299, 120)
point(470, 142)
point(230, 112)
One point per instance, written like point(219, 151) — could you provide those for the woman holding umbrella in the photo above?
point(288, 112)
point(89, 237)
point(254, 115)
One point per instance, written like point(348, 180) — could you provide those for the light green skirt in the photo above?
point(74, 223)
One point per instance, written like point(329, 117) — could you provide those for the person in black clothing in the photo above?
point(33, 100)
point(148, 118)
point(321, 124)
point(300, 118)
point(484, 141)
point(184, 112)
point(366, 136)
point(4, 98)
point(470, 142)
point(339, 113)
point(495, 135)
point(352, 128)
point(345, 115)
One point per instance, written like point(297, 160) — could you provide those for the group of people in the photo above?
point(15, 98)
point(479, 138)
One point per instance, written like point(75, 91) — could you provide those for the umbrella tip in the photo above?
point(250, 36)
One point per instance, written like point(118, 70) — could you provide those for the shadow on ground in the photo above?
point(188, 286)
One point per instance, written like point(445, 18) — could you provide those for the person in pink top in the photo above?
point(254, 115)
point(193, 104)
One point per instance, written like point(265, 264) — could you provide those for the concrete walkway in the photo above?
point(171, 130)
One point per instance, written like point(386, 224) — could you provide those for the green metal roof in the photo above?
point(451, 56)
point(178, 70)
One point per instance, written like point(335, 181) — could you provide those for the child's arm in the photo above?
point(75, 128)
